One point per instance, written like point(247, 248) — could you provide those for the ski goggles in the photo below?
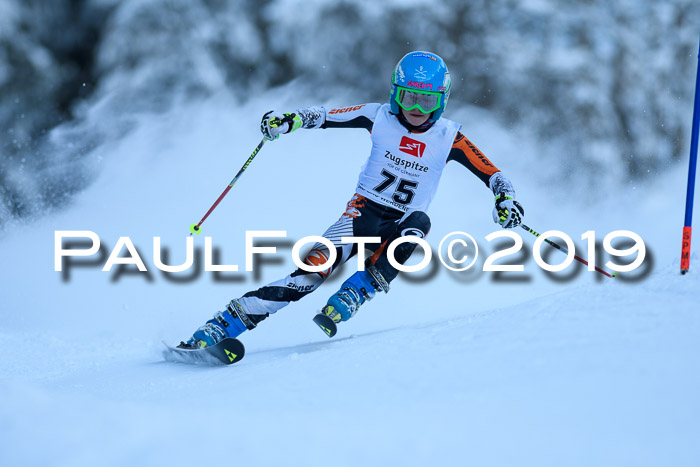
point(426, 101)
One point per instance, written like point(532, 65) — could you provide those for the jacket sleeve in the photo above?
point(467, 154)
point(357, 116)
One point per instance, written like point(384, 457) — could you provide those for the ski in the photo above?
point(226, 352)
point(326, 324)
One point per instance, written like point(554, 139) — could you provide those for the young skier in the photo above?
point(411, 144)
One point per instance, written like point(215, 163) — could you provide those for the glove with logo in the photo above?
point(274, 124)
point(507, 212)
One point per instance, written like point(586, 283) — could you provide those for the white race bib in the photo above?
point(404, 169)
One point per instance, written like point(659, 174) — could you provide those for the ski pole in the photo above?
point(692, 167)
point(561, 248)
point(194, 228)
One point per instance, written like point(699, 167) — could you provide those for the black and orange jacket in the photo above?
point(463, 151)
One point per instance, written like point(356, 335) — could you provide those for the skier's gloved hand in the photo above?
point(507, 212)
point(274, 124)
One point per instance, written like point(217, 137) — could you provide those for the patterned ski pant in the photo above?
point(362, 218)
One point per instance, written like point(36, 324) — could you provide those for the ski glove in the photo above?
point(507, 212)
point(274, 124)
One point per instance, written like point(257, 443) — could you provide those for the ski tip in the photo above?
point(326, 324)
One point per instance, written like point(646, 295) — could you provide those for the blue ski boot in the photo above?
point(359, 288)
point(228, 323)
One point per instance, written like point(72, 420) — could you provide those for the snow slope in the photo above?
point(454, 369)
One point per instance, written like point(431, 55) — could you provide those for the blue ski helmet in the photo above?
point(420, 80)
